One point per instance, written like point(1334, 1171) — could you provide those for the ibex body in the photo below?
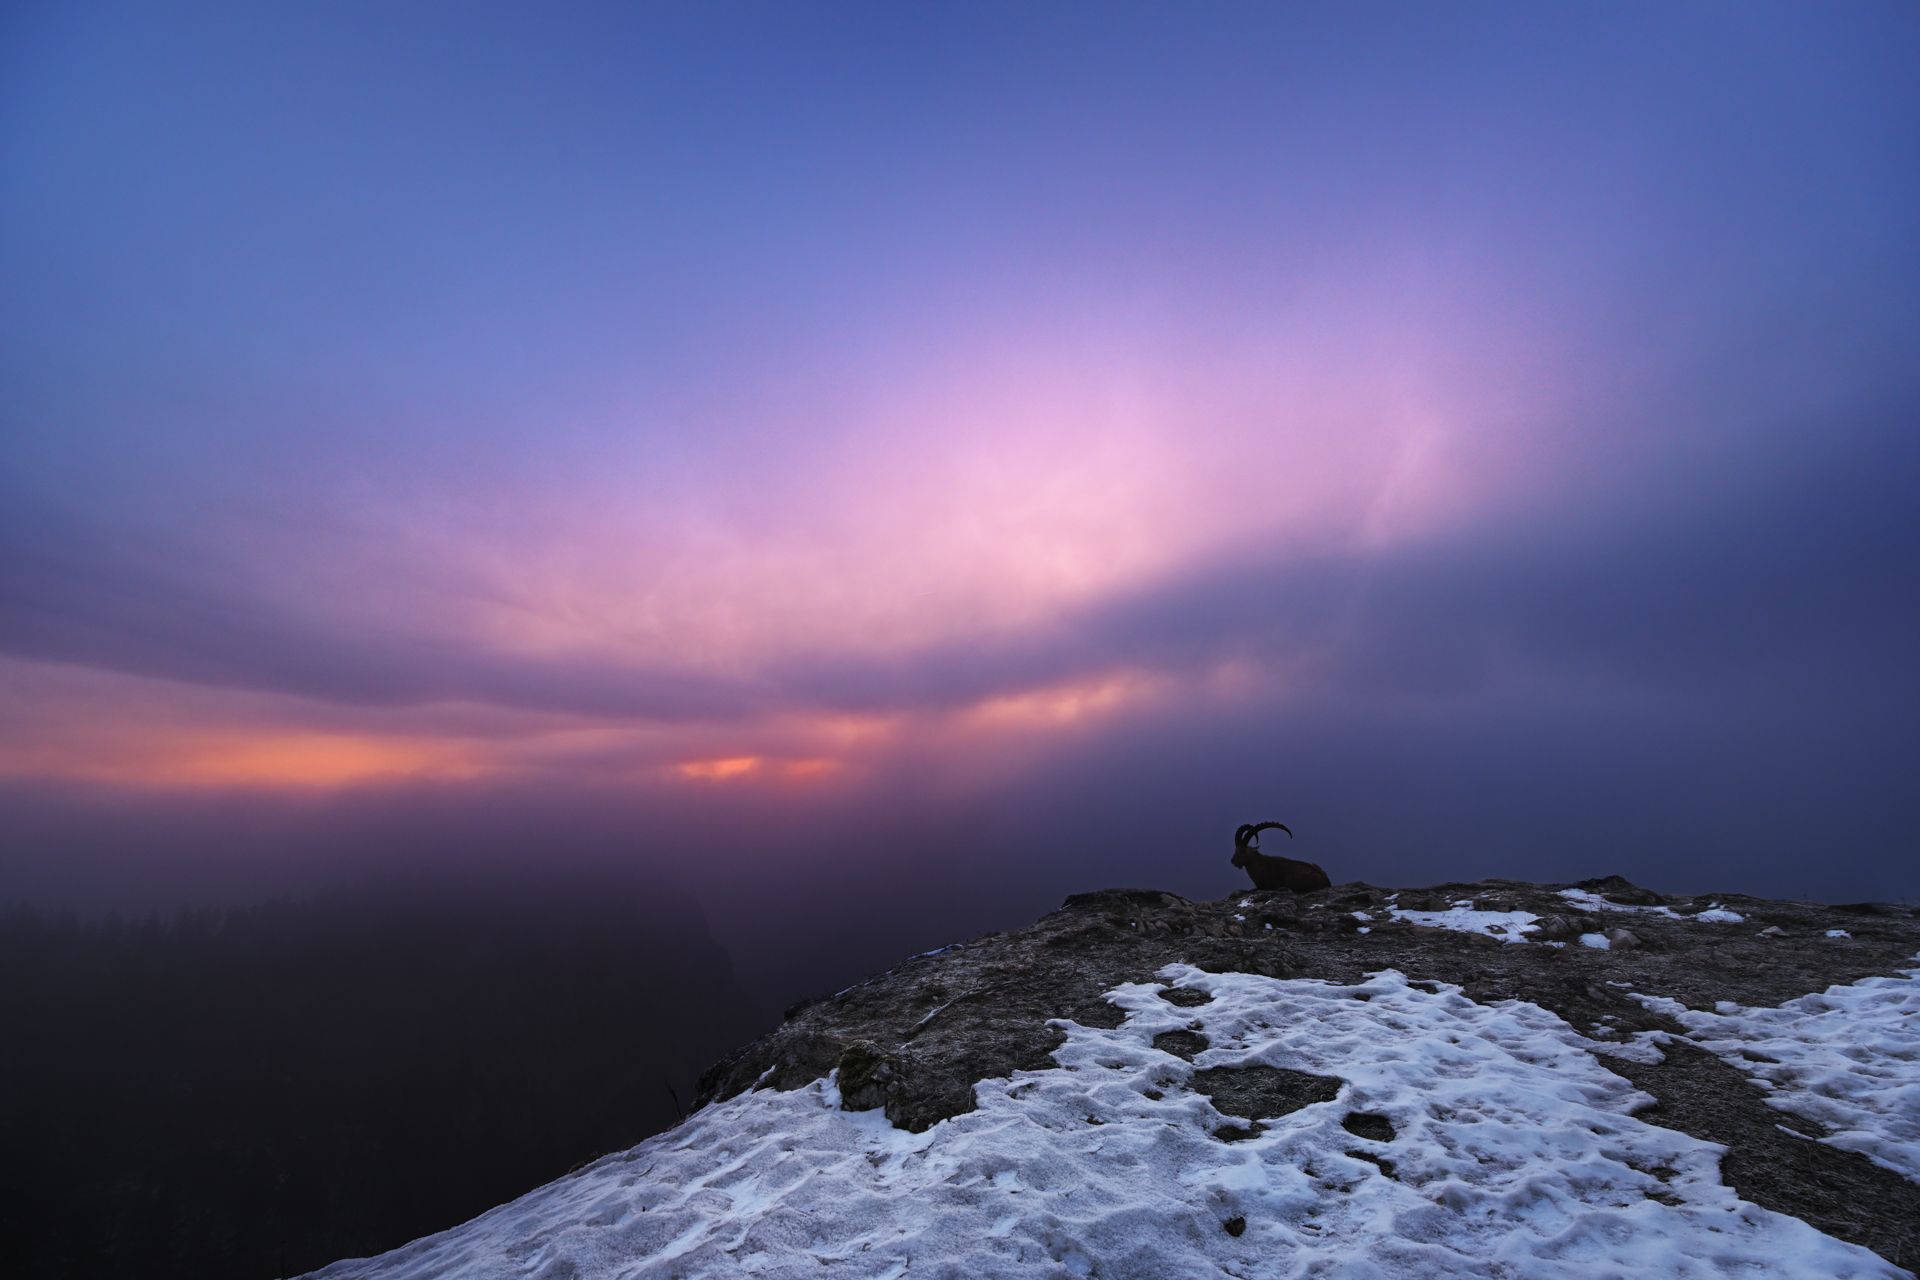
point(1269, 871)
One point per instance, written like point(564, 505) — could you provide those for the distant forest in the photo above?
point(255, 1092)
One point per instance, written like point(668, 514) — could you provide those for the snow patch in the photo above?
point(1587, 900)
point(1847, 1058)
point(1508, 926)
point(1642, 1046)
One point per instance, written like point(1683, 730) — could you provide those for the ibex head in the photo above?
point(1248, 836)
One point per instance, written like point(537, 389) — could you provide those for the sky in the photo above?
point(906, 462)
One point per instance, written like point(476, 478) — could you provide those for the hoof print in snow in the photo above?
point(1235, 1226)
point(1186, 997)
point(1181, 1044)
point(1363, 1124)
point(865, 1073)
point(1384, 1165)
point(1666, 1174)
point(1263, 1093)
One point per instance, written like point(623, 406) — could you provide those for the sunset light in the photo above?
point(752, 578)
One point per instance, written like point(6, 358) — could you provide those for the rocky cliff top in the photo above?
point(915, 1040)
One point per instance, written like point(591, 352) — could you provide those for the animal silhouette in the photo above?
point(1269, 871)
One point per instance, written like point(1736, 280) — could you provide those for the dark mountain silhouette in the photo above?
point(252, 1092)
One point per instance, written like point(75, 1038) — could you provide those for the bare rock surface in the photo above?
point(915, 1041)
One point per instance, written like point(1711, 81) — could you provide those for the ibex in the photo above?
point(1271, 872)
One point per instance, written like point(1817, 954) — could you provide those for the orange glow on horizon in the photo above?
point(141, 733)
point(732, 768)
point(1064, 705)
point(816, 768)
point(320, 760)
point(270, 760)
point(719, 770)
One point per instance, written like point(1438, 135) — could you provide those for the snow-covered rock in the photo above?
point(1144, 1086)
